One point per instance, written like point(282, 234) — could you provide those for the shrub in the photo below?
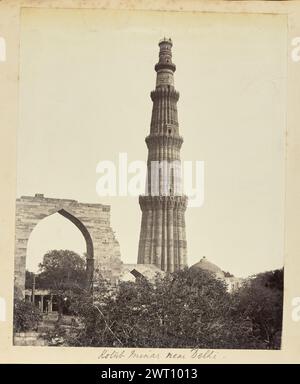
point(26, 316)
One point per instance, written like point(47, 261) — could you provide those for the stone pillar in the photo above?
point(42, 303)
point(22, 234)
point(33, 290)
point(50, 303)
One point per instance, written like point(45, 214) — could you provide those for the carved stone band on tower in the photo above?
point(162, 237)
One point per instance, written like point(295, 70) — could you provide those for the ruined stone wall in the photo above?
point(93, 220)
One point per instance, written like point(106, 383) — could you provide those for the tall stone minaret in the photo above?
point(162, 237)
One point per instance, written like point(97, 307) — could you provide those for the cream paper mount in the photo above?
point(171, 221)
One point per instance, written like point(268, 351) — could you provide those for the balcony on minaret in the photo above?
point(165, 55)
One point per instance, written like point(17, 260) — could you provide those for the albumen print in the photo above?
point(150, 179)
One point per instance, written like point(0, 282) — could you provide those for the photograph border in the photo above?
point(9, 100)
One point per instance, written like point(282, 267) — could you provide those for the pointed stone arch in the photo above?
point(93, 221)
point(89, 246)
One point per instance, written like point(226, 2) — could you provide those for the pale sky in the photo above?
point(85, 81)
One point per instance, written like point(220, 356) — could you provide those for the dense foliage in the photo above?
point(187, 309)
point(63, 273)
point(26, 316)
point(261, 300)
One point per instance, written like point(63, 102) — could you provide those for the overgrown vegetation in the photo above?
point(26, 316)
point(63, 273)
point(186, 309)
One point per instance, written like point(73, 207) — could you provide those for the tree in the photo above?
point(228, 274)
point(186, 309)
point(195, 312)
point(28, 279)
point(63, 272)
point(261, 301)
point(26, 316)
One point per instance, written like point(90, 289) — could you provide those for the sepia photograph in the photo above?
point(150, 180)
point(150, 222)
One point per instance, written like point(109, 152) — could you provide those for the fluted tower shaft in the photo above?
point(162, 237)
